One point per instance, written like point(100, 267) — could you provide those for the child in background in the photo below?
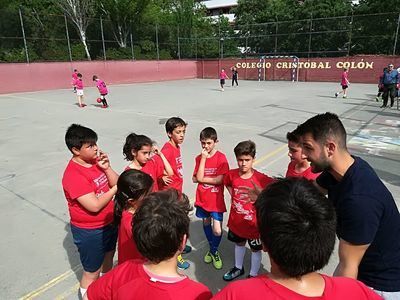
point(74, 78)
point(101, 85)
point(242, 222)
point(79, 90)
point(298, 230)
point(132, 187)
point(299, 166)
point(222, 77)
point(138, 150)
point(380, 86)
point(211, 166)
point(344, 83)
point(176, 130)
point(160, 232)
point(234, 76)
point(89, 185)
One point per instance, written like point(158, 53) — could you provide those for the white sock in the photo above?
point(255, 263)
point(240, 251)
point(102, 274)
point(83, 291)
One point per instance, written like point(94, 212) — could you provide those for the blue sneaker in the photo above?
point(182, 264)
point(233, 273)
point(187, 249)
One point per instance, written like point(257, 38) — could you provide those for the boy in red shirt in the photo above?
point(211, 166)
point(299, 166)
point(89, 185)
point(297, 227)
point(222, 77)
point(176, 130)
point(344, 82)
point(160, 232)
point(242, 221)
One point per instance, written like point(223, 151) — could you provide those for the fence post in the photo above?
point(131, 38)
point(102, 38)
point(179, 45)
point(276, 36)
point(397, 33)
point(23, 35)
point(68, 43)
point(309, 37)
point(245, 51)
point(350, 34)
point(158, 50)
point(195, 40)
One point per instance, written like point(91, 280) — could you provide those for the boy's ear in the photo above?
point(183, 244)
point(75, 151)
point(169, 134)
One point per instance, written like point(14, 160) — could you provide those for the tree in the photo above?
point(80, 12)
point(122, 13)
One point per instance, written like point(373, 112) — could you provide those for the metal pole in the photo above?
point(245, 51)
point(133, 54)
point(195, 40)
point(23, 34)
point(309, 37)
point(69, 45)
point(222, 48)
point(276, 36)
point(102, 38)
point(179, 46)
point(395, 39)
point(158, 50)
point(350, 34)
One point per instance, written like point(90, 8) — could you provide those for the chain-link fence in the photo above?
point(28, 36)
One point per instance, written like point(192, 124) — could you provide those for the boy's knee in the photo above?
point(217, 231)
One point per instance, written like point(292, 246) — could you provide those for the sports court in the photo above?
point(39, 259)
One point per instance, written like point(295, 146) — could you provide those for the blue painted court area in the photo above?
point(39, 258)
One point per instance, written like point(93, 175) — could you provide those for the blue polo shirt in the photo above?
point(367, 214)
point(390, 77)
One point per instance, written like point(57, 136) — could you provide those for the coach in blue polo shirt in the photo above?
point(390, 81)
point(368, 221)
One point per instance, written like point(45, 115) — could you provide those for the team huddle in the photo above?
point(144, 212)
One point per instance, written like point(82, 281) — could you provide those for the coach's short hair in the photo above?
point(297, 225)
point(160, 224)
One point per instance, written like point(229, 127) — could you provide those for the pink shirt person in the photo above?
point(101, 85)
point(223, 75)
point(345, 80)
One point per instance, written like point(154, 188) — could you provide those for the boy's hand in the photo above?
point(251, 192)
point(155, 150)
point(204, 154)
point(103, 162)
point(166, 180)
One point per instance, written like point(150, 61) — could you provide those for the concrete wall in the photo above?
point(362, 69)
point(18, 77)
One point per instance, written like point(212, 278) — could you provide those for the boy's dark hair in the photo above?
point(135, 142)
point(324, 126)
point(132, 185)
point(75, 70)
point(77, 135)
point(297, 225)
point(208, 133)
point(79, 75)
point(94, 77)
point(245, 148)
point(174, 122)
point(293, 136)
point(160, 224)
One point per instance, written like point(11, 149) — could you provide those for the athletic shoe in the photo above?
point(222, 90)
point(249, 276)
point(233, 273)
point(217, 261)
point(336, 94)
point(344, 97)
point(187, 249)
point(377, 99)
point(182, 264)
point(382, 106)
point(104, 106)
point(208, 258)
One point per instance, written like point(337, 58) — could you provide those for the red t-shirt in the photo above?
point(173, 155)
point(78, 181)
point(242, 217)
point(308, 174)
point(130, 281)
point(155, 168)
point(262, 287)
point(126, 245)
point(211, 197)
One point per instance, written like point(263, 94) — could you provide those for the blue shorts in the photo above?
point(93, 244)
point(203, 214)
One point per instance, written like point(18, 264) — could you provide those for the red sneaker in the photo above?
point(104, 106)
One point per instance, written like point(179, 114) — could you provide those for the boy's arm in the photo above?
point(167, 167)
point(104, 163)
point(94, 204)
point(200, 172)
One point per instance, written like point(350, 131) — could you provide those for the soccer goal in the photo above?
point(280, 67)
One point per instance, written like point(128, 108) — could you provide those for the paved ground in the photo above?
point(39, 259)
